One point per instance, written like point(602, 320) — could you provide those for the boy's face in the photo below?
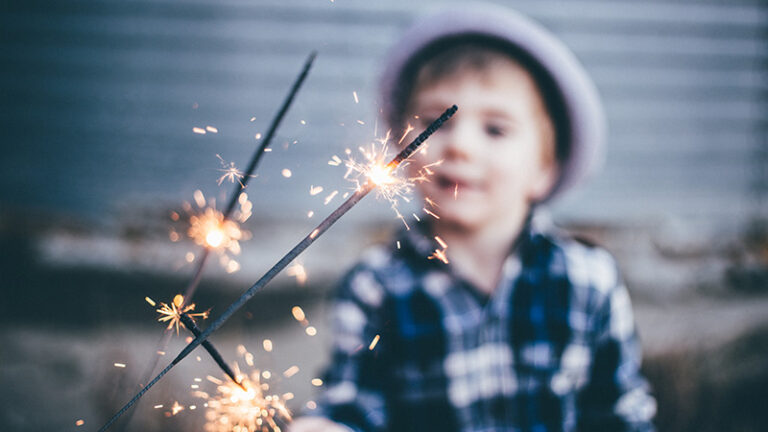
point(497, 150)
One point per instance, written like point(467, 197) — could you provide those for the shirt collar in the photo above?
point(421, 243)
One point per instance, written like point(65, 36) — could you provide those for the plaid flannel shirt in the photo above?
point(553, 348)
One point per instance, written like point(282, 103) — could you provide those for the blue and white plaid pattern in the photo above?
point(554, 348)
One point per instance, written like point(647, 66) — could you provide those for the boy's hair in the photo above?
point(451, 56)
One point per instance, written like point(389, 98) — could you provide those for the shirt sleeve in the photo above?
point(617, 396)
point(355, 379)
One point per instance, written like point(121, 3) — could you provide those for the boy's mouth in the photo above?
point(451, 183)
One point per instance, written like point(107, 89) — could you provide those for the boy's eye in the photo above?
point(495, 130)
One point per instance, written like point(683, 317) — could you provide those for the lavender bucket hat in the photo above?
point(582, 152)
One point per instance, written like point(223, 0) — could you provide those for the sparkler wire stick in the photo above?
point(189, 323)
point(361, 192)
point(272, 129)
point(189, 291)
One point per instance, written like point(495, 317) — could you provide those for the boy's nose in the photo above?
point(458, 142)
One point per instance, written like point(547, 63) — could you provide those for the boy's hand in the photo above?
point(316, 424)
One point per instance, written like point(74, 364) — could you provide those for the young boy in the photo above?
point(523, 328)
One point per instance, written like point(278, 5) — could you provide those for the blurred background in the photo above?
point(113, 112)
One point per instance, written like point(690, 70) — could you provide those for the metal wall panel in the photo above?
point(100, 97)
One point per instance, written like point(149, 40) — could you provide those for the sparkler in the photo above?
point(176, 314)
point(230, 171)
point(189, 291)
point(361, 192)
point(392, 188)
point(247, 407)
point(172, 314)
point(210, 228)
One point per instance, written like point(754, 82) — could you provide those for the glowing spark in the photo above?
point(246, 207)
point(456, 191)
point(232, 266)
point(158, 406)
point(231, 172)
point(427, 211)
point(361, 122)
point(373, 343)
point(199, 198)
point(150, 301)
point(208, 228)
point(330, 197)
point(214, 237)
point(211, 129)
point(253, 119)
point(335, 161)
point(172, 313)
point(398, 244)
point(354, 94)
point(440, 253)
point(303, 122)
point(120, 365)
point(176, 408)
point(374, 168)
point(291, 371)
point(257, 136)
point(314, 190)
point(267, 344)
point(311, 331)
point(248, 408)
point(311, 405)
point(198, 130)
point(317, 382)
point(298, 271)
point(314, 233)
point(298, 313)
point(310, 214)
point(405, 134)
point(80, 422)
point(287, 173)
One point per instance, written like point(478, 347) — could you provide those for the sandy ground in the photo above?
point(53, 377)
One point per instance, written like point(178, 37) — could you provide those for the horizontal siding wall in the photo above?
point(100, 98)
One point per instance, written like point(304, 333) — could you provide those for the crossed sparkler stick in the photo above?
point(189, 291)
point(361, 192)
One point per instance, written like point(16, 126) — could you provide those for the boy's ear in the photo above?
point(543, 181)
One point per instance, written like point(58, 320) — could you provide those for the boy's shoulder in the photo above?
point(586, 264)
